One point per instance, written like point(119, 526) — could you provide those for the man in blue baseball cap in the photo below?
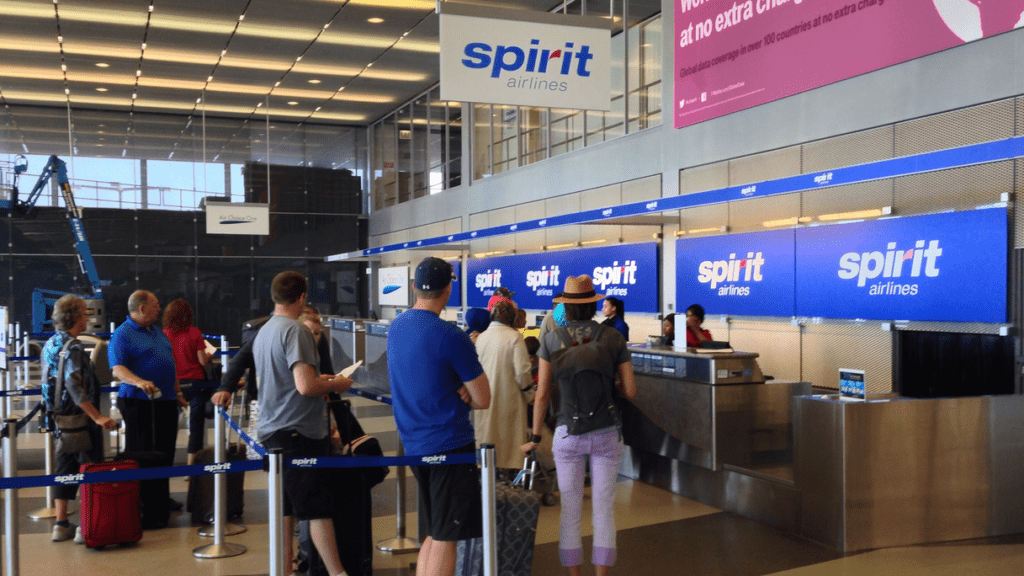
point(436, 379)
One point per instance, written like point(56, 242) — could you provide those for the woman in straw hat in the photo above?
point(588, 423)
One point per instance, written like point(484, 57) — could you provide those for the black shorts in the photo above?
point(307, 491)
point(449, 500)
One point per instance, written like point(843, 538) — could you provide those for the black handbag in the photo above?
point(355, 442)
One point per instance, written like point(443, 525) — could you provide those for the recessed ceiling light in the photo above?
point(102, 65)
point(101, 89)
point(293, 103)
point(375, 20)
point(314, 81)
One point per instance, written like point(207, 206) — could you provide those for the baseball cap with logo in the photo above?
point(433, 274)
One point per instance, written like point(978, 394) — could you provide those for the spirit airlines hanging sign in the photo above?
point(526, 59)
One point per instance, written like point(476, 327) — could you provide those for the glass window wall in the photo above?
point(507, 137)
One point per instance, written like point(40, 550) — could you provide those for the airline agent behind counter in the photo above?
point(695, 334)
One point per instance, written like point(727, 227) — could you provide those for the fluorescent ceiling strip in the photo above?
point(107, 78)
point(149, 103)
point(206, 58)
point(189, 23)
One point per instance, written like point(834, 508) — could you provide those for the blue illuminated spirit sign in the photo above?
point(940, 267)
point(455, 300)
point(628, 271)
point(744, 274)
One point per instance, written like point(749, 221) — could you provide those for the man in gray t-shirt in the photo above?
point(293, 415)
point(280, 344)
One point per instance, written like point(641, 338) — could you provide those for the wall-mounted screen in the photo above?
point(393, 286)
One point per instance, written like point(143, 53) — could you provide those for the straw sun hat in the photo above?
point(578, 290)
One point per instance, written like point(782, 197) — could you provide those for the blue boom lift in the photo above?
point(42, 299)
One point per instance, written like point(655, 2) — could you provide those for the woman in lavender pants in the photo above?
point(577, 438)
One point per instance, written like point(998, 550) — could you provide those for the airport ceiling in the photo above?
point(134, 78)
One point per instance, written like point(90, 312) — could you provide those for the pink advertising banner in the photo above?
point(735, 54)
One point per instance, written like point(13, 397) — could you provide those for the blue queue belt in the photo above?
point(370, 395)
point(33, 358)
point(241, 433)
point(228, 467)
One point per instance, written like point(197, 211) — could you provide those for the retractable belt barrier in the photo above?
point(225, 467)
point(23, 422)
point(272, 462)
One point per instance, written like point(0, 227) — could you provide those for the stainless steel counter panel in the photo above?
point(372, 376)
point(909, 471)
point(348, 341)
point(710, 425)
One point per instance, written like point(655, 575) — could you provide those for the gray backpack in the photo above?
point(585, 375)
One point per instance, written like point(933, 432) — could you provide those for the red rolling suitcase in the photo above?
point(110, 510)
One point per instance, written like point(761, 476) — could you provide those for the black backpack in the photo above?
point(585, 373)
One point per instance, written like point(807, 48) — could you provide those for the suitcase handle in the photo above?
point(529, 469)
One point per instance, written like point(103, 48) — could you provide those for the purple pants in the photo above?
point(605, 450)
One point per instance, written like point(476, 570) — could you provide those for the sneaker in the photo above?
point(78, 536)
point(62, 533)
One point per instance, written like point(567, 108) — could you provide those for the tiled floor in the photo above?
point(659, 533)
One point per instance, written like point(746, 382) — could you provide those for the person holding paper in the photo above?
point(293, 415)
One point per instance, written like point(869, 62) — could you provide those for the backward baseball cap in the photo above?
point(433, 274)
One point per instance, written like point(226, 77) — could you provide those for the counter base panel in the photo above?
point(770, 501)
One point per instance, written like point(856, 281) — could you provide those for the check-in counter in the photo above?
point(348, 341)
point(709, 409)
point(372, 376)
point(904, 471)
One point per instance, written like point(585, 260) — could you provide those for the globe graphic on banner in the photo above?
point(974, 19)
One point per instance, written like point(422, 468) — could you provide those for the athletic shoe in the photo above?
point(62, 533)
point(78, 536)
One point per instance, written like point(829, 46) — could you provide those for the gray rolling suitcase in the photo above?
point(517, 509)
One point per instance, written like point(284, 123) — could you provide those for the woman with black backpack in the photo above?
point(588, 361)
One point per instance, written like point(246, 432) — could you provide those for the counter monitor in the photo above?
point(851, 384)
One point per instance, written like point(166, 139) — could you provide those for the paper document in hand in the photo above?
point(347, 372)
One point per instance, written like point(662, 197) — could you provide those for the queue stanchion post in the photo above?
point(400, 543)
point(220, 489)
point(275, 510)
point(26, 348)
point(220, 527)
point(6, 404)
point(11, 561)
point(489, 504)
point(48, 511)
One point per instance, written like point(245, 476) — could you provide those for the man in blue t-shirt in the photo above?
point(435, 379)
point(141, 357)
